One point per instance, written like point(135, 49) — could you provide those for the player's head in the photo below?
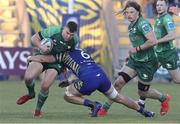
point(132, 10)
point(69, 30)
point(161, 6)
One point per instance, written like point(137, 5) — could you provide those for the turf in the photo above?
point(56, 110)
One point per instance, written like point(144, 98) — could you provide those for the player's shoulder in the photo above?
point(55, 27)
point(167, 17)
point(144, 24)
point(76, 38)
point(143, 21)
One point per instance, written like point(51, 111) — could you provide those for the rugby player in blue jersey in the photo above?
point(91, 78)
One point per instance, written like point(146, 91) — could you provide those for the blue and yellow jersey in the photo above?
point(78, 61)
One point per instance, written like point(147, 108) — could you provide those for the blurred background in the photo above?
point(102, 32)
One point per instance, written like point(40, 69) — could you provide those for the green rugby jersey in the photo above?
point(137, 32)
point(59, 44)
point(163, 24)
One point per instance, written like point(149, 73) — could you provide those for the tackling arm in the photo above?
point(36, 41)
point(42, 58)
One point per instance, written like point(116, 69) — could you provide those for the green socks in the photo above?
point(106, 106)
point(163, 97)
point(30, 88)
point(41, 99)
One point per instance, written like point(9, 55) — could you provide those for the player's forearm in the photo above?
point(167, 38)
point(42, 58)
point(150, 42)
point(36, 40)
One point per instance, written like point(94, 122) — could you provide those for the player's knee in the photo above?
point(143, 89)
point(126, 78)
point(68, 95)
point(28, 78)
point(66, 98)
point(113, 94)
point(121, 80)
point(176, 79)
point(45, 86)
point(68, 92)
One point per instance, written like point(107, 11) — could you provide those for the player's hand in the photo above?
point(44, 49)
point(64, 83)
point(37, 58)
point(132, 51)
point(175, 10)
point(29, 59)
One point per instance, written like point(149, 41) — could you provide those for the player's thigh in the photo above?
point(33, 69)
point(125, 75)
point(128, 70)
point(49, 77)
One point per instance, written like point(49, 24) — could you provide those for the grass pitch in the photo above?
point(56, 110)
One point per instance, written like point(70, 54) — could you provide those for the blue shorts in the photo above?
point(93, 79)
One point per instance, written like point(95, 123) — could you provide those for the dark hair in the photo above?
point(166, 1)
point(134, 4)
point(72, 26)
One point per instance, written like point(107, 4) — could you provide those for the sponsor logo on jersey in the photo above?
point(171, 25)
point(98, 75)
point(69, 47)
point(146, 28)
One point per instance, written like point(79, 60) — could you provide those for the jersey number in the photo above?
point(85, 55)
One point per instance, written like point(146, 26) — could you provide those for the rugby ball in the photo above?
point(48, 42)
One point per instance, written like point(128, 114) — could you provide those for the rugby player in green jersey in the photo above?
point(64, 39)
point(165, 33)
point(142, 59)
